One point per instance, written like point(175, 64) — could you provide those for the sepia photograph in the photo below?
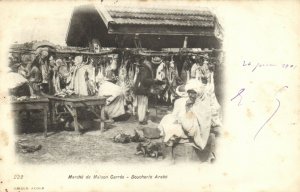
point(138, 84)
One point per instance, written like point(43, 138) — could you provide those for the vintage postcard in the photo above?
point(149, 95)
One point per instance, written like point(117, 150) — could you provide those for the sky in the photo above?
point(29, 21)
point(40, 22)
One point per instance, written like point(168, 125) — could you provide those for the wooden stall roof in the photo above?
point(110, 24)
point(117, 19)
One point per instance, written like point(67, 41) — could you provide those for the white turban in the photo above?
point(194, 85)
point(44, 53)
point(59, 62)
point(78, 60)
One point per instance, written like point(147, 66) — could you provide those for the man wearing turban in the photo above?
point(191, 118)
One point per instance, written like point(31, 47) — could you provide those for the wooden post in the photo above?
point(185, 41)
point(102, 119)
point(45, 121)
point(73, 112)
point(76, 125)
point(137, 41)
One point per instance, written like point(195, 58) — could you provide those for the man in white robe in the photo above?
point(191, 118)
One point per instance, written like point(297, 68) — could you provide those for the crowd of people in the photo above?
point(127, 81)
point(44, 73)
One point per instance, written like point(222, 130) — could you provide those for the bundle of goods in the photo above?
point(65, 93)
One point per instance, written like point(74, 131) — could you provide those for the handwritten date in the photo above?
point(255, 66)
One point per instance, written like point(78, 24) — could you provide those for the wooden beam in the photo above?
point(160, 30)
point(104, 15)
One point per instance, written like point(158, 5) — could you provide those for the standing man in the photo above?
point(142, 86)
point(41, 61)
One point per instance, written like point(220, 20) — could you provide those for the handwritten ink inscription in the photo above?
point(255, 66)
point(239, 97)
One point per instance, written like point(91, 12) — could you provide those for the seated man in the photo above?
point(115, 103)
point(191, 119)
point(17, 84)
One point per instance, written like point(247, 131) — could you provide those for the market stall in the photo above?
point(67, 87)
point(116, 66)
point(180, 35)
point(72, 104)
point(177, 46)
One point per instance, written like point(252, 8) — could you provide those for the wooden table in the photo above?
point(73, 103)
point(33, 104)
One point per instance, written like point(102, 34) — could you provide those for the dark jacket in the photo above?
point(144, 79)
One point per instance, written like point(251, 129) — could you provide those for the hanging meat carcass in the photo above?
point(185, 72)
point(161, 72)
point(173, 81)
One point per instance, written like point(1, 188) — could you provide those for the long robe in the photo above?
point(115, 102)
point(80, 84)
point(194, 123)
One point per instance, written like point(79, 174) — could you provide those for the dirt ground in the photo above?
point(92, 145)
point(63, 146)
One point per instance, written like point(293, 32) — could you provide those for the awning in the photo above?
point(162, 28)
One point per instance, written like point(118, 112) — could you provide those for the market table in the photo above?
point(72, 103)
point(33, 104)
